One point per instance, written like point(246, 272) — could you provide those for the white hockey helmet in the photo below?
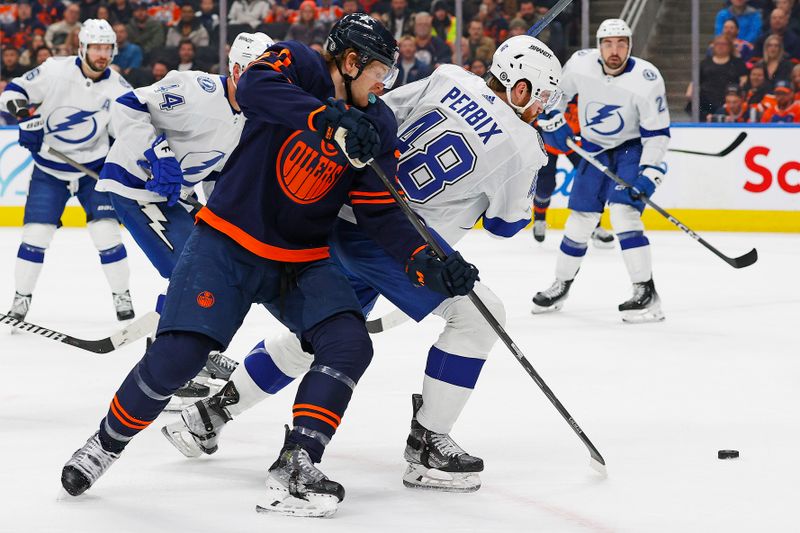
point(615, 28)
point(246, 48)
point(96, 31)
point(527, 58)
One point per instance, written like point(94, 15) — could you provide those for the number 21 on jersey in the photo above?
point(425, 170)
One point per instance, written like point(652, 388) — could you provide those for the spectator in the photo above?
point(207, 15)
point(11, 67)
point(103, 13)
point(517, 27)
point(716, 73)
point(479, 67)
point(776, 65)
point(351, 6)
point(796, 81)
point(21, 32)
point(307, 30)
point(41, 54)
point(734, 109)
point(552, 35)
point(48, 11)
point(250, 12)
point(785, 108)
point(480, 46)
point(142, 77)
point(129, 55)
point(756, 87)
point(494, 20)
point(328, 13)
point(89, 9)
point(399, 19)
point(444, 26)
point(28, 57)
point(186, 56)
point(779, 25)
point(741, 49)
point(144, 31)
point(793, 8)
point(188, 28)
point(431, 51)
point(409, 67)
point(749, 20)
point(58, 32)
point(121, 11)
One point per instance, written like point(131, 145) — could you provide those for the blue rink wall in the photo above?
point(755, 187)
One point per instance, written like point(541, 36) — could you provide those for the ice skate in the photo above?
point(551, 299)
point(19, 308)
point(86, 465)
point(198, 430)
point(187, 395)
point(602, 238)
point(295, 487)
point(539, 230)
point(211, 379)
point(644, 305)
point(123, 305)
point(436, 462)
point(218, 366)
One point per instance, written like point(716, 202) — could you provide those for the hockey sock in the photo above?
point(636, 254)
point(172, 360)
point(115, 267)
point(540, 207)
point(577, 230)
point(342, 351)
point(448, 384)
point(30, 260)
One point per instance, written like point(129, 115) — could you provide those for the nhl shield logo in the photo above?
point(308, 167)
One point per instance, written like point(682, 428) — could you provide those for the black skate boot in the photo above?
point(295, 487)
point(551, 299)
point(20, 306)
point(86, 465)
point(436, 462)
point(187, 395)
point(539, 230)
point(644, 305)
point(602, 238)
point(123, 305)
point(209, 381)
point(201, 423)
point(218, 366)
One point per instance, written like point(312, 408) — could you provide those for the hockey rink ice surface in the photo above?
point(658, 400)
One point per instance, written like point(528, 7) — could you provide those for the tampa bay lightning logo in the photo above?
point(207, 84)
point(195, 163)
point(603, 119)
point(71, 125)
point(649, 75)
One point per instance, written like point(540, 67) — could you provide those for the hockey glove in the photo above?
point(167, 176)
point(452, 277)
point(555, 130)
point(645, 183)
point(31, 133)
point(350, 129)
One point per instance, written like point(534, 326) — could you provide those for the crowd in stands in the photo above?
point(752, 69)
point(159, 35)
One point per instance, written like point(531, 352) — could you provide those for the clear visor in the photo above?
point(548, 98)
point(381, 73)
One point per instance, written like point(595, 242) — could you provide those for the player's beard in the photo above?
point(614, 62)
point(93, 65)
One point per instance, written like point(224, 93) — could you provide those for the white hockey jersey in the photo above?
point(75, 109)
point(192, 110)
point(615, 109)
point(465, 154)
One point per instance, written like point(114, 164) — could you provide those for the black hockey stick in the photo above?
point(733, 146)
point(130, 333)
point(736, 262)
point(597, 462)
point(551, 14)
point(193, 202)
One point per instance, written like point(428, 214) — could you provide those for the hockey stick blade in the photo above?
point(130, 333)
point(387, 321)
point(733, 146)
point(551, 14)
point(745, 260)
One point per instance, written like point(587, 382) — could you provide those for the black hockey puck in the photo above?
point(728, 454)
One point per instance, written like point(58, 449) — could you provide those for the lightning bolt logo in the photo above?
point(71, 121)
point(197, 162)
point(156, 217)
point(603, 113)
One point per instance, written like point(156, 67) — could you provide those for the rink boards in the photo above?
point(754, 187)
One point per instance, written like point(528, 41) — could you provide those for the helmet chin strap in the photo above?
point(348, 79)
point(517, 109)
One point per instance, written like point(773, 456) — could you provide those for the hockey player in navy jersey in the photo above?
point(74, 97)
point(467, 154)
point(263, 237)
point(624, 119)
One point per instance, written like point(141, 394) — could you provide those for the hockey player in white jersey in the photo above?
point(467, 153)
point(624, 119)
point(173, 135)
point(74, 97)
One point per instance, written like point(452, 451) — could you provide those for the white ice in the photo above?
point(658, 400)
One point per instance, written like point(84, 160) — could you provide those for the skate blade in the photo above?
point(643, 316)
point(179, 436)
point(421, 477)
point(280, 502)
point(541, 310)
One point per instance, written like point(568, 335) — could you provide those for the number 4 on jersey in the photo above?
point(171, 101)
point(424, 171)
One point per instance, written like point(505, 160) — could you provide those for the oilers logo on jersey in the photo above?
point(308, 167)
point(604, 119)
point(71, 125)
